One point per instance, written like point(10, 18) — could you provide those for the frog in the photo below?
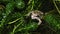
point(36, 14)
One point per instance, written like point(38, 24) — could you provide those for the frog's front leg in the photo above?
point(37, 18)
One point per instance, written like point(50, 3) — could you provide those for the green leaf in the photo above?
point(23, 26)
point(12, 18)
point(20, 4)
point(30, 5)
point(56, 6)
point(53, 19)
point(8, 10)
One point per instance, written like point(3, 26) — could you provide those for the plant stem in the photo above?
point(56, 6)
